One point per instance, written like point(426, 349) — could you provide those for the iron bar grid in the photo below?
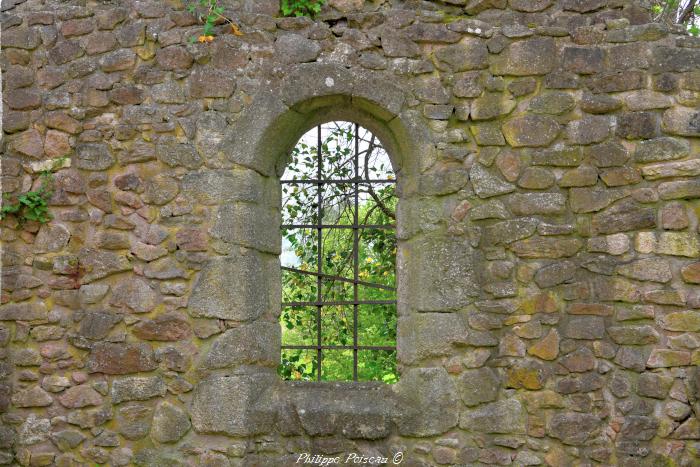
point(338, 226)
point(340, 347)
point(320, 276)
point(340, 303)
point(348, 181)
point(341, 279)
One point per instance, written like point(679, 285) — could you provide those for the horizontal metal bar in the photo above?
point(338, 347)
point(340, 303)
point(338, 226)
point(341, 279)
point(341, 181)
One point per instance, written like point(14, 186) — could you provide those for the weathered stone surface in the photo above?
point(682, 321)
point(648, 269)
point(418, 335)
point(528, 57)
point(486, 184)
point(96, 325)
point(80, 396)
point(527, 204)
point(638, 125)
point(248, 225)
point(633, 335)
point(616, 81)
point(662, 358)
point(32, 397)
point(678, 244)
point(535, 178)
point(430, 391)
point(93, 157)
point(691, 273)
point(398, 44)
point(248, 412)
point(588, 130)
point(175, 154)
point(467, 55)
point(236, 287)
point(530, 131)
point(210, 82)
point(51, 237)
point(624, 216)
point(247, 344)
point(165, 327)
point(583, 60)
point(573, 428)
point(133, 420)
point(654, 385)
point(137, 295)
point(681, 121)
point(568, 157)
point(689, 168)
point(212, 187)
point(509, 231)
point(119, 359)
point(451, 287)
point(34, 311)
point(552, 102)
point(507, 417)
point(579, 361)
point(170, 423)
point(137, 388)
point(546, 247)
point(679, 190)
point(292, 48)
point(174, 58)
point(555, 273)
point(491, 105)
point(29, 143)
point(478, 386)
point(547, 348)
point(585, 327)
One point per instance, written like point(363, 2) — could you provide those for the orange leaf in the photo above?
point(235, 30)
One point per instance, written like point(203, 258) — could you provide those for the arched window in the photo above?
point(338, 313)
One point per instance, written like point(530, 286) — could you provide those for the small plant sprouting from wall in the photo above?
point(210, 12)
point(33, 205)
point(301, 7)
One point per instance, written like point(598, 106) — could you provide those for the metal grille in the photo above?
point(319, 274)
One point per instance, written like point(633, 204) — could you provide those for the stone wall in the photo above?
point(549, 259)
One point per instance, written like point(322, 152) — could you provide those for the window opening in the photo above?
point(338, 258)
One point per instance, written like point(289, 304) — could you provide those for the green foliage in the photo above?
point(32, 205)
point(684, 12)
point(301, 7)
point(376, 324)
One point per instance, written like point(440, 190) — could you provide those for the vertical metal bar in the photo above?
point(356, 253)
point(319, 252)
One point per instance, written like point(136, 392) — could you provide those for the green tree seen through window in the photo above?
point(353, 297)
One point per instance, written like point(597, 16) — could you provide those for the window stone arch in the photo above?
point(240, 394)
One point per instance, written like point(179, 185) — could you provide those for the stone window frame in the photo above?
point(246, 397)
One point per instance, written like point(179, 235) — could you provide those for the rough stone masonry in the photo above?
point(548, 160)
